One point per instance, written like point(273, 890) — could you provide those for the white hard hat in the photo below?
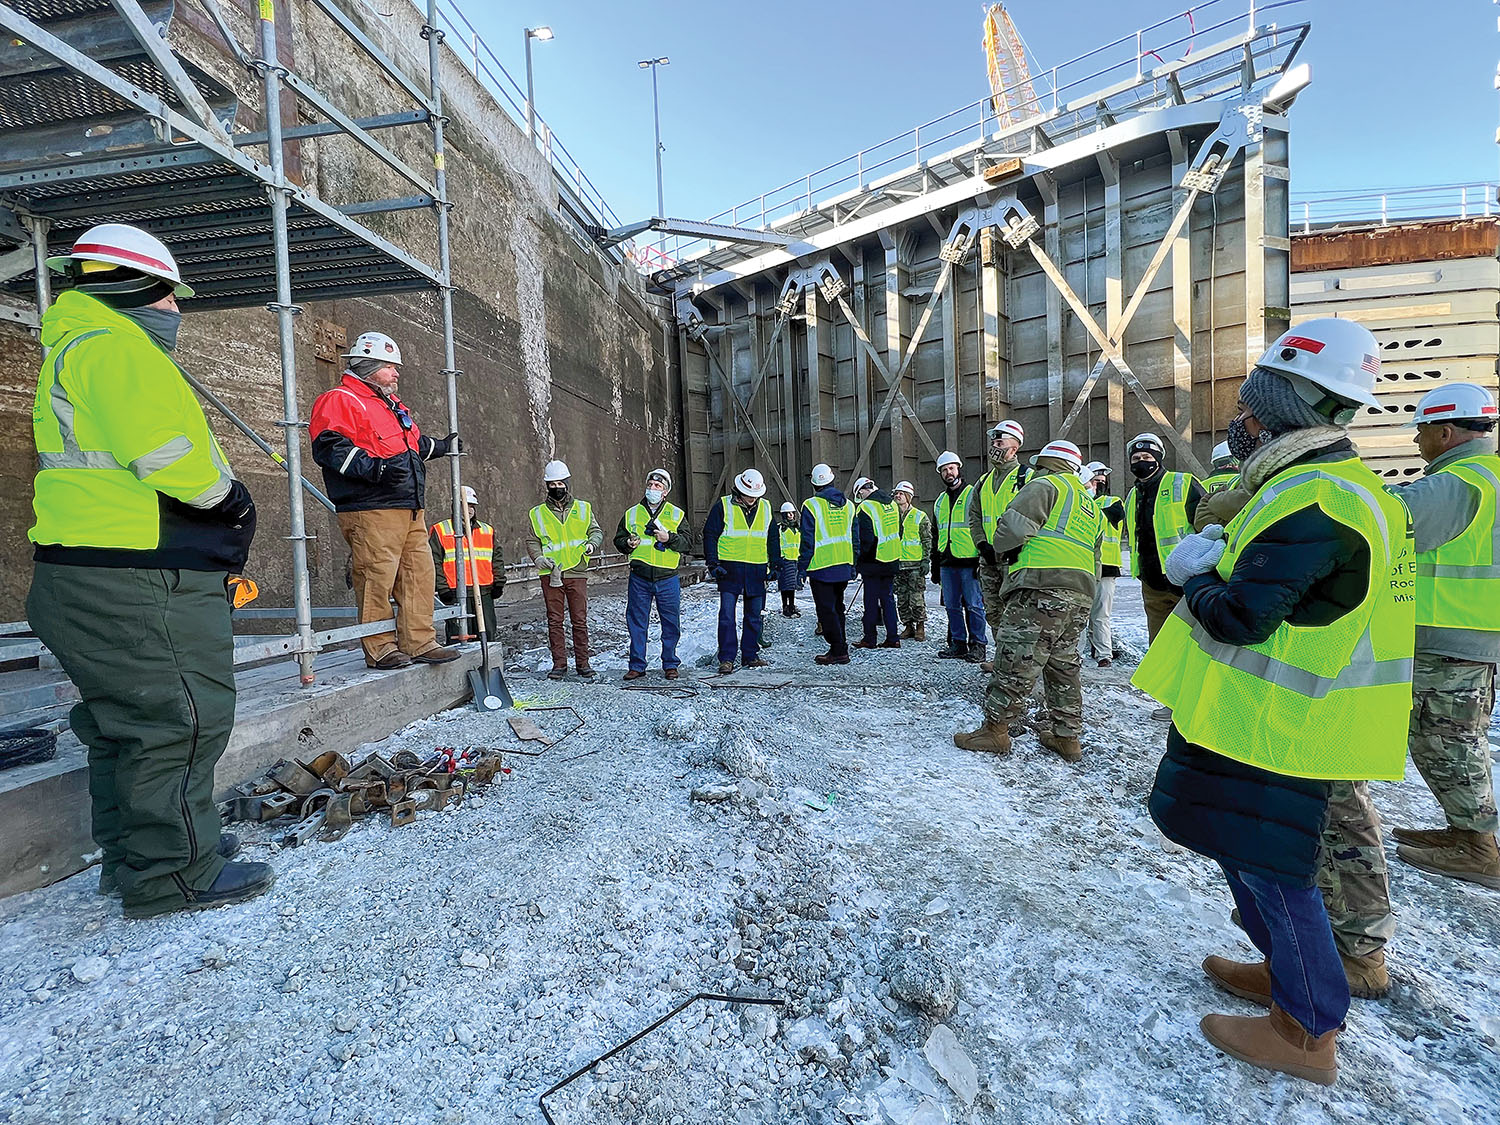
point(905, 486)
point(1456, 402)
point(1063, 450)
point(1221, 453)
point(374, 345)
point(665, 476)
point(821, 475)
point(470, 496)
point(1146, 439)
point(555, 471)
point(1009, 428)
point(861, 482)
point(789, 507)
point(1331, 355)
point(1094, 468)
point(948, 457)
point(120, 244)
point(751, 483)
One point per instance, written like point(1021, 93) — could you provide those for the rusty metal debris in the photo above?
point(526, 729)
point(327, 794)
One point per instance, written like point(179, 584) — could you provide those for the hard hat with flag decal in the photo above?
point(751, 483)
point(1064, 451)
point(904, 486)
point(555, 471)
point(113, 245)
point(821, 475)
point(1456, 402)
point(1328, 357)
point(1008, 428)
point(1143, 442)
point(374, 345)
point(948, 457)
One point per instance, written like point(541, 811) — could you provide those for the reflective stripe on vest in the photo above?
point(1067, 539)
point(1458, 584)
point(1109, 546)
point(670, 519)
point(911, 535)
point(563, 540)
point(952, 525)
point(1218, 482)
point(1328, 702)
point(481, 551)
point(886, 520)
point(833, 533)
point(791, 543)
point(744, 540)
point(994, 497)
point(1169, 519)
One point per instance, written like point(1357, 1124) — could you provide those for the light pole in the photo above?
point(652, 64)
point(544, 34)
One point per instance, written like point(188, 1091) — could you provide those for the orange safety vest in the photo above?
point(482, 550)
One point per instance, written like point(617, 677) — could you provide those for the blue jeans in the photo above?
point(667, 594)
point(1289, 925)
point(962, 599)
point(880, 605)
point(732, 641)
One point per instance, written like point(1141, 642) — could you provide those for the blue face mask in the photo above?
point(160, 324)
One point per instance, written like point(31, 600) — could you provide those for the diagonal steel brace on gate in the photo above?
point(1239, 126)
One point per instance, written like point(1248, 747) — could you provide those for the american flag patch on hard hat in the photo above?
point(1371, 364)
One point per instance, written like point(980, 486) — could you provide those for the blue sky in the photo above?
point(758, 94)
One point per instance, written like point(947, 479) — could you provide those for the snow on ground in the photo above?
point(957, 937)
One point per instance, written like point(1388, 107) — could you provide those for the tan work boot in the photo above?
point(986, 665)
point(1067, 749)
point(1426, 837)
point(1247, 981)
point(909, 633)
point(990, 738)
point(921, 632)
point(1473, 858)
point(1367, 977)
point(1276, 1042)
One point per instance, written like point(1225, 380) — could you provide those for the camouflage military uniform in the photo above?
point(1038, 632)
point(991, 580)
point(1449, 737)
point(911, 596)
point(1352, 876)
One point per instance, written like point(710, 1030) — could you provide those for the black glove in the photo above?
point(453, 443)
point(448, 597)
point(237, 508)
point(391, 471)
point(1012, 556)
point(937, 572)
point(987, 552)
point(718, 572)
point(497, 587)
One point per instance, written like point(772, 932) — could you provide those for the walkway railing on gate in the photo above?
point(1475, 199)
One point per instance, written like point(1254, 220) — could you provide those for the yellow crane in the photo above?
point(1011, 91)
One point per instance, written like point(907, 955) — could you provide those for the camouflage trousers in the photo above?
point(1038, 632)
point(1449, 737)
point(911, 597)
point(1352, 876)
point(991, 578)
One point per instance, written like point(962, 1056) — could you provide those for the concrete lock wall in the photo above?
point(1003, 342)
point(563, 353)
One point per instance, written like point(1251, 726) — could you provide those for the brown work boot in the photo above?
point(1067, 749)
point(1426, 837)
point(393, 659)
point(1367, 977)
point(757, 663)
point(585, 672)
point(891, 642)
point(862, 643)
point(670, 674)
point(921, 632)
point(1473, 858)
point(987, 666)
point(725, 667)
point(437, 655)
point(633, 674)
point(1276, 1042)
point(558, 673)
point(989, 738)
point(909, 633)
point(1247, 981)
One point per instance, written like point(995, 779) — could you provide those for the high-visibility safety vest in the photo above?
point(1109, 546)
point(911, 535)
point(791, 542)
point(1218, 482)
point(995, 495)
point(1330, 701)
point(669, 519)
point(1068, 538)
point(1169, 518)
point(563, 540)
point(116, 428)
point(481, 551)
point(952, 523)
point(743, 539)
point(1458, 584)
point(833, 533)
point(886, 519)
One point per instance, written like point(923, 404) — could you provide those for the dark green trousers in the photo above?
point(152, 656)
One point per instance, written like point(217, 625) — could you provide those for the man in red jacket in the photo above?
point(373, 455)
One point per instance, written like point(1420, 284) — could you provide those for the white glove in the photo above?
point(546, 562)
point(1196, 554)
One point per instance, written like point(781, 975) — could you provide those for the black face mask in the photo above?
point(1241, 444)
point(557, 492)
point(1143, 469)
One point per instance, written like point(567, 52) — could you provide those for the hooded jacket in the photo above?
point(371, 450)
point(869, 538)
point(747, 579)
point(836, 498)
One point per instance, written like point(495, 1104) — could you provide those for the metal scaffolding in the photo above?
point(100, 121)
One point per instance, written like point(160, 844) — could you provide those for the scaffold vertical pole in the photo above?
point(434, 36)
point(272, 71)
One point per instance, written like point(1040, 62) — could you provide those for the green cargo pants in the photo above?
point(152, 656)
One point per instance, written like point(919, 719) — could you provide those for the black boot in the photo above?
point(955, 650)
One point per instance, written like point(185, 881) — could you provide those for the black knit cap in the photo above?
point(121, 287)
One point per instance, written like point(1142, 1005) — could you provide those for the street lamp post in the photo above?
point(543, 34)
point(652, 64)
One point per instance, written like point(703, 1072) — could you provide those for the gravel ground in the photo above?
point(955, 938)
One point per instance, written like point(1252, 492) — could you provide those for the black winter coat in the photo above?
point(869, 535)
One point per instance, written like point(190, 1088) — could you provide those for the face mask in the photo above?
point(557, 491)
point(1241, 444)
point(160, 324)
point(654, 496)
point(1142, 469)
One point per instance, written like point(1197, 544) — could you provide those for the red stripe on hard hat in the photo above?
point(1489, 410)
point(1302, 342)
point(118, 252)
point(1439, 409)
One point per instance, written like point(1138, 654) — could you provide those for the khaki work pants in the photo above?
point(1159, 607)
point(392, 560)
